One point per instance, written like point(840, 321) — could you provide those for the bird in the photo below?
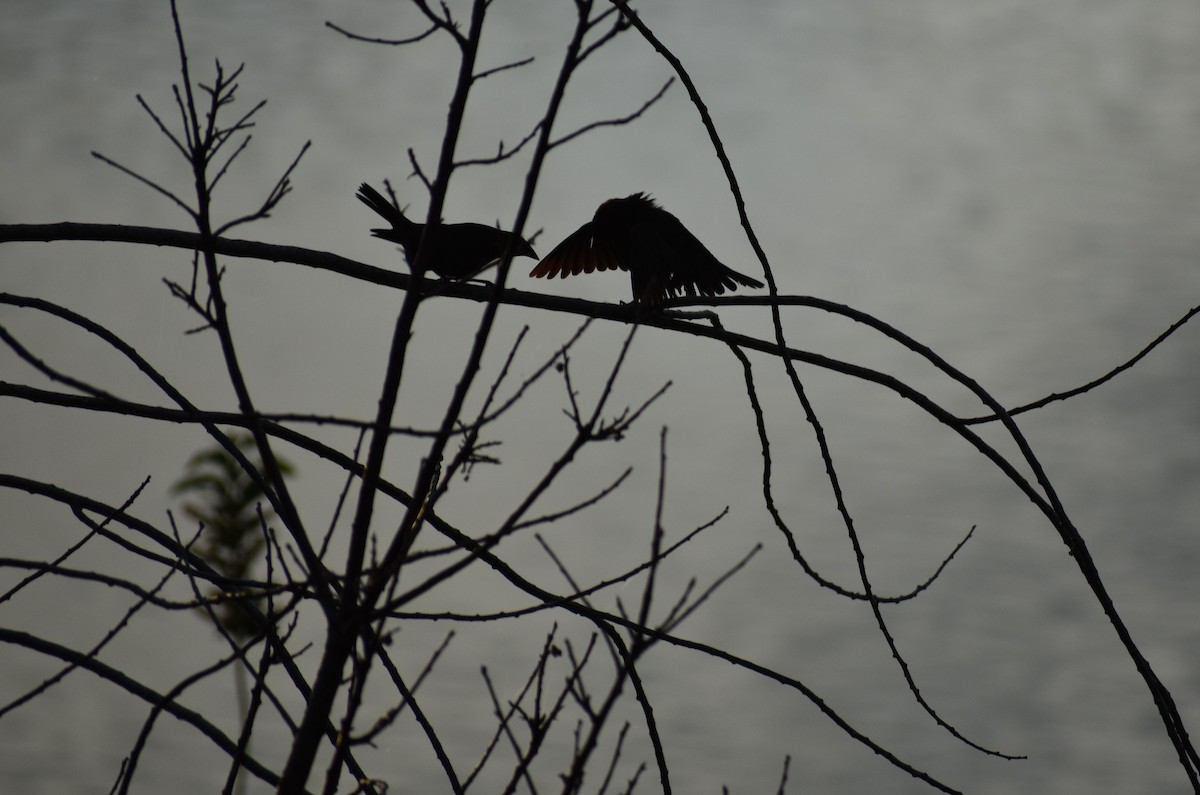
point(456, 251)
point(635, 234)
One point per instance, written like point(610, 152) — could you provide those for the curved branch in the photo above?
point(140, 690)
point(1172, 720)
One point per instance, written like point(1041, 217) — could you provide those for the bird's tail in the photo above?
point(384, 209)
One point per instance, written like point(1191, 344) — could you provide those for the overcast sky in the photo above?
point(1015, 184)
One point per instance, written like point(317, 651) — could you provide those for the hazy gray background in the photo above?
point(1014, 182)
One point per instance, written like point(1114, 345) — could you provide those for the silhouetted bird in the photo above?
point(458, 251)
point(634, 234)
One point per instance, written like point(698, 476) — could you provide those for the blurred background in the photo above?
point(1014, 183)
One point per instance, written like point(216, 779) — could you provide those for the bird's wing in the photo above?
point(694, 269)
point(578, 253)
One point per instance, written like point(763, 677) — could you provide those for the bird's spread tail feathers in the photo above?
point(385, 210)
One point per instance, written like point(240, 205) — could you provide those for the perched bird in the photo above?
point(634, 234)
point(457, 251)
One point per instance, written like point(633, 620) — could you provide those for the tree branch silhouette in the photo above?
point(392, 540)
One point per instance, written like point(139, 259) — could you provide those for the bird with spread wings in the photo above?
point(634, 234)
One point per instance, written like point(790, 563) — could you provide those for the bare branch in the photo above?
point(391, 42)
point(281, 188)
point(620, 121)
point(1089, 386)
point(503, 68)
point(502, 153)
point(138, 689)
point(146, 181)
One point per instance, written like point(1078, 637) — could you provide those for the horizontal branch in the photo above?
point(484, 292)
point(235, 419)
point(615, 312)
point(155, 236)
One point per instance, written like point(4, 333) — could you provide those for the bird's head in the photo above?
point(615, 217)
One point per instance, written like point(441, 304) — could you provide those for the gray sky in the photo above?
point(1015, 184)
